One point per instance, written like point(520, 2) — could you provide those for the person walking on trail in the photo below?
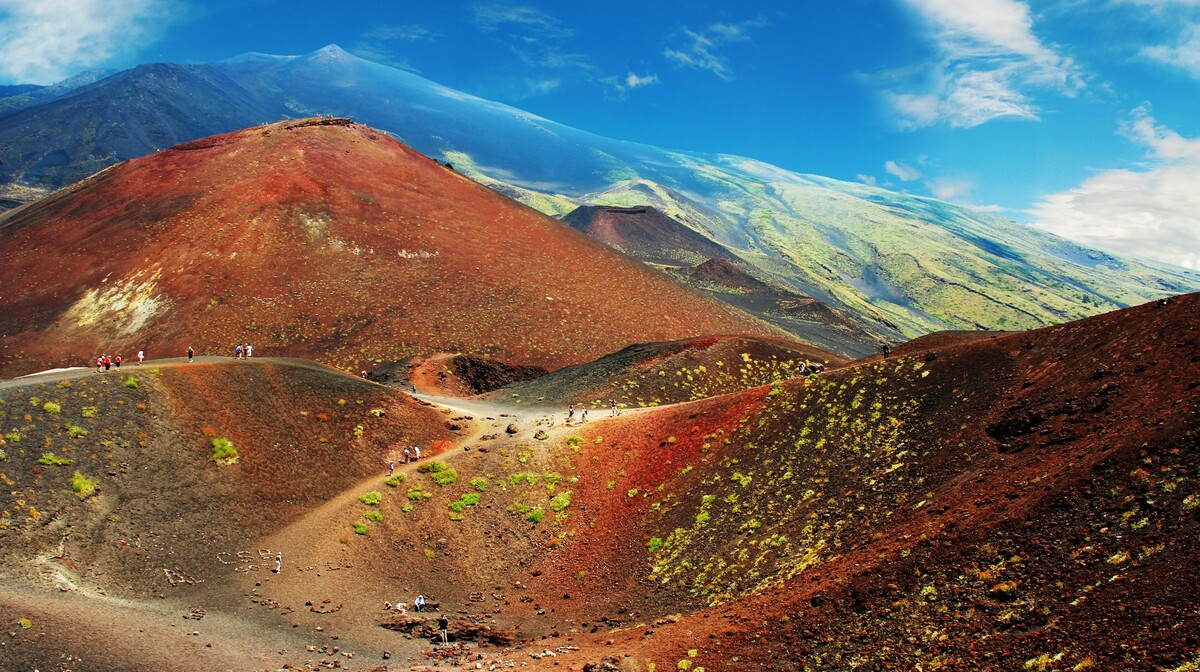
point(100, 364)
point(141, 356)
point(887, 350)
point(190, 354)
point(278, 562)
point(391, 466)
point(583, 415)
point(416, 452)
point(249, 350)
point(407, 454)
point(613, 405)
point(237, 351)
point(444, 629)
point(117, 361)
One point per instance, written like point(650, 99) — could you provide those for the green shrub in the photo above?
point(131, 383)
point(360, 528)
point(457, 505)
point(372, 498)
point(395, 480)
point(574, 441)
point(50, 460)
point(479, 483)
point(83, 486)
point(655, 544)
point(74, 431)
point(51, 408)
point(88, 411)
point(552, 478)
point(13, 437)
point(223, 452)
point(373, 516)
point(407, 508)
point(457, 518)
point(432, 467)
point(3, 455)
point(358, 430)
point(534, 516)
point(470, 499)
point(446, 477)
point(560, 501)
point(415, 494)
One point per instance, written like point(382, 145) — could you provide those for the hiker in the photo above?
point(416, 452)
point(419, 603)
point(190, 353)
point(249, 350)
point(141, 356)
point(117, 361)
point(443, 629)
point(107, 362)
point(570, 413)
point(407, 454)
point(100, 364)
point(583, 416)
point(391, 465)
point(613, 403)
point(887, 349)
point(237, 351)
point(278, 562)
point(414, 389)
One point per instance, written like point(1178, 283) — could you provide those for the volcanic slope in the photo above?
point(653, 374)
point(325, 239)
point(1024, 500)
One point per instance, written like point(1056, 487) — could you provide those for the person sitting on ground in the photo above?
point(419, 603)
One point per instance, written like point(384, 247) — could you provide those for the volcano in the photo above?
point(319, 238)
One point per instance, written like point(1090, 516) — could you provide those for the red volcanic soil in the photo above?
point(724, 273)
point(318, 238)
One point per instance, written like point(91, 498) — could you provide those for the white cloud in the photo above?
point(949, 189)
point(904, 172)
point(1183, 54)
point(1153, 212)
point(988, 58)
point(497, 16)
point(868, 180)
point(44, 41)
point(634, 80)
point(701, 51)
point(1182, 18)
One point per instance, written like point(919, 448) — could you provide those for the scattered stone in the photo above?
point(511, 429)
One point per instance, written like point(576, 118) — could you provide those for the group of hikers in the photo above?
point(410, 453)
point(105, 362)
point(243, 351)
point(419, 605)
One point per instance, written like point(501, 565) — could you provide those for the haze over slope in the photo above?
point(320, 238)
point(902, 264)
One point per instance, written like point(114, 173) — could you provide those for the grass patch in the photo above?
point(131, 383)
point(560, 501)
point(432, 467)
point(51, 408)
point(372, 498)
point(445, 477)
point(50, 460)
point(395, 480)
point(3, 455)
point(470, 499)
point(360, 528)
point(75, 431)
point(416, 494)
point(88, 411)
point(82, 486)
point(479, 483)
point(373, 516)
point(534, 516)
point(13, 437)
point(223, 452)
point(407, 508)
point(457, 505)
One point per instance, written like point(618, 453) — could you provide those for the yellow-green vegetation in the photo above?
point(51, 408)
point(373, 515)
point(561, 501)
point(395, 480)
point(49, 459)
point(82, 486)
point(372, 498)
point(131, 383)
point(75, 431)
point(223, 452)
point(534, 516)
point(13, 437)
point(479, 483)
point(444, 477)
point(88, 411)
point(360, 528)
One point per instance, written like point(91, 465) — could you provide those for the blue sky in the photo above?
point(1078, 115)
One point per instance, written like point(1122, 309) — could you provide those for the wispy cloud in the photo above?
point(622, 85)
point(988, 60)
point(520, 18)
point(1180, 18)
point(381, 43)
point(700, 48)
point(43, 41)
point(1152, 211)
point(950, 189)
point(868, 180)
point(902, 171)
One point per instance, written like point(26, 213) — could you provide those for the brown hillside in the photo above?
point(645, 233)
point(318, 238)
